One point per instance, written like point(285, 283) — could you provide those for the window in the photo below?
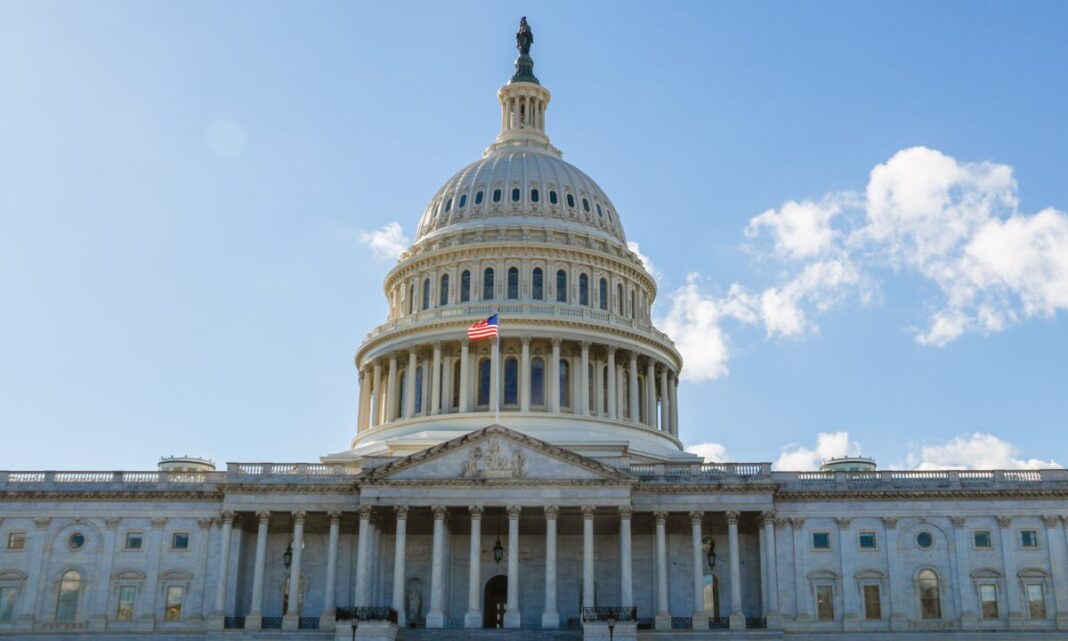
point(825, 602)
point(619, 299)
point(134, 540)
point(483, 382)
point(465, 286)
point(418, 389)
point(1029, 538)
point(867, 541)
point(873, 604)
point(561, 286)
point(8, 594)
point(988, 601)
point(402, 373)
point(552, 197)
point(16, 540)
point(602, 294)
point(511, 381)
point(930, 596)
point(443, 291)
point(1036, 601)
point(496, 195)
point(173, 605)
point(456, 385)
point(70, 587)
point(565, 383)
point(537, 289)
point(599, 212)
point(981, 540)
point(127, 598)
point(924, 540)
point(534, 195)
point(633, 307)
point(478, 197)
point(537, 381)
point(515, 195)
point(411, 300)
point(821, 540)
point(463, 201)
point(609, 212)
point(76, 541)
point(571, 201)
point(448, 205)
point(513, 283)
point(487, 284)
point(584, 289)
point(585, 205)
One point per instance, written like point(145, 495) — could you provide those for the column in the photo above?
point(435, 617)
point(361, 412)
point(663, 615)
point(771, 563)
point(961, 550)
point(611, 382)
point(391, 393)
point(511, 611)
point(147, 617)
point(665, 402)
point(326, 619)
point(255, 615)
point(35, 579)
point(465, 377)
point(550, 618)
point(376, 396)
point(292, 614)
point(1056, 544)
point(409, 385)
point(219, 611)
point(847, 550)
point(435, 373)
point(584, 380)
point(399, 555)
point(700, 617)
point(587, 558)
point(626, 590)
point(1013, 597)
point(633, 389)
point(674, 389)
point(524, 375)
point(446, 383)
point(362, 557)
point(473, 618)
point(650, 394)
point(598, 387)
point(737, 620)
point(99, 616)
point(554, 377)
point(898, 580)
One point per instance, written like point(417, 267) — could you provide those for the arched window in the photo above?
point(411, 299)
point(552, 197)
point(930, 595)
point(585, 205)
point(515, 195)
point(426, 294)
point(402, 375)
point(456, 385)
point(478, 198)
point(561, 286)
point(443, 290)
point(534, 195)
point(487, 284)
point(463, 201)
point(589, 388)
point(619, 298)
point(537, 381)
point(565, 383)
point(418, 389)
point(536, 286)
point(448, 205)
point(602, 294)
point(584, 289)
point(483, 382)
point(511, 381)
point(571, 201)
point(599, 212)
point(513, 283)
point(496, 195)
point(465, 286)
point(633, 308)
point(70, 588)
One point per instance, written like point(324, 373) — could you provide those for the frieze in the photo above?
point(496, 461)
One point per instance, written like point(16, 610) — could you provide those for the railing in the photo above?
point(756, 623)
point(610, 614)
point(107, 478)
point(289, 469)
point(718, 623)
point(271, 623)
point(366, 614)
point(234, 623)
point(920, 479)
point(308, 623)
point(701, 469)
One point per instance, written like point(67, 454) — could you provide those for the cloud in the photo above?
point(710, 452)
point(796, 457)
point(386, 243)
point(975, 451)
point(649, 267)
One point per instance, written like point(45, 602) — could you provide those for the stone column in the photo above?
point(409, 384)
point(587, 558)
point(218, 613)
point(361, 412)
point(584, 380)
point(665, 402)
point(399, 555)
point(1013, 597)
point(771, 562)
point(473, 617)
point(674, 388)
point(363, 557)
point(598, 387)
point(554, 377)
point(611, 382)
point(524, 375)
point(899, 618)
point(376, 398)
point(147, 617)
point(737, 620)
point(962, 550)
point(511, 611)
point(465, 377)
point(1056, 543)
point(650, 394)
point(327, 620)
point(435, 369)
point(663, 614)
point(99, 617)
point(446, 382)
point(292, 614)
point(435, 617)
point(391, 393)
point(633, 389)
point(846, 553)
point(625, 567)
point(255, 615)
point(700, 617)
point(550, 618)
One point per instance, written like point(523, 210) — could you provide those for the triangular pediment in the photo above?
point(494, 454)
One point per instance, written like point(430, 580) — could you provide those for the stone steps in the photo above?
point(419, 634)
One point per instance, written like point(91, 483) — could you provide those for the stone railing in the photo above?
point(11, 480)
point(922, 479)
point(708, 470)
point(289, 469)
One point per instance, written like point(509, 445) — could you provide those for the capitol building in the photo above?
point(529, 486)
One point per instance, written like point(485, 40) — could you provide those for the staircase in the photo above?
point(422, 634)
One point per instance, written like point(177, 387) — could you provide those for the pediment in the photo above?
point(495, 454)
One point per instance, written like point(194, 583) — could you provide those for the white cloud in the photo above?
point(710, 452)
point(801, 229)
point(386, 243)
point(649, 267)
point(796, 458)
point(975, 451)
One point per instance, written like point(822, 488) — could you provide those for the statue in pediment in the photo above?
point(496, 461)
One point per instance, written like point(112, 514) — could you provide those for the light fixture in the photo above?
point(287, 556)
point(498, 549)
point(709, 545)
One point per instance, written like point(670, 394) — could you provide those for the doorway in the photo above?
point(494, 602)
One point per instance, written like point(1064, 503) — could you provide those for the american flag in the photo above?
point(483, 329)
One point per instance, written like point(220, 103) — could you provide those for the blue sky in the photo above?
point(185, 187)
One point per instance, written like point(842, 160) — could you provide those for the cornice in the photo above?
point(939, 493)
point(111, 495)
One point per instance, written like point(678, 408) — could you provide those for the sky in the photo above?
point(855, 213)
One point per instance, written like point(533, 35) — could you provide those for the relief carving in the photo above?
point(495, 462)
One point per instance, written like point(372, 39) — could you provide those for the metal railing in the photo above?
point(617, 614)
point(365, 613)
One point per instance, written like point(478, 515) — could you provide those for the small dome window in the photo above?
point(496, 195)
point(609, 212)
point(515, 195)
point(570, 201)
point(534, 195)
point(924, 540)
point(76, 541)
point(448, 205)
point(599, 212)
point(463, 201)
point(585, 204)
point(478, 197)
point(552, 197)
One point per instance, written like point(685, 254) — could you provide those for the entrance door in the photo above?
point(496, 598)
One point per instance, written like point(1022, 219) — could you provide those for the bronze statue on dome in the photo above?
point(524, 37)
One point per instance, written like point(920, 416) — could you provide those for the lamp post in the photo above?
point(287, 556)
point(355, 623)
point(498, 549)
point(611, 619)
point(709, 544)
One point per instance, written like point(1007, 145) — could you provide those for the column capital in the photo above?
point(585, 345)
point(767, 515)
point(556, 342)
point(299, 515)
point(797, 522)
point(203, 523)
point(660, 516)
point(439, 512)
point(957, 521)
point(112, 522)
point(1004, 521)
point(843, 522)
point(626, 511)
point(476, 512)
point(524, 340)
point(733, 516)
point(160, 521)
point(1051, 520)
point(366, 511)
point(587, 512)
point(889, 522)
point(551, 512)
point(263, 516)
point(513, 512)
point(334, 515)
point(227, 516)
point(696, 516)
point(781, 522)
point(42, 522)
point(436, 345)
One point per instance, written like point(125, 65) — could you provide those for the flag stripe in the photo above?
point(487, 328)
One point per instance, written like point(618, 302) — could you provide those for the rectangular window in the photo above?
point(16, 540)
point(1036, 600)
point(867, 541)
point(7, 603)
point(873, 604)
point(988, 601)
point(981, 540)
point(134, 540)
point(821, 540)
point(825, 602)
point(127, 597)
point(173, 611)
point(1029, 538)
point(180, 541)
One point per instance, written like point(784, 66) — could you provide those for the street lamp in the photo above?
point(611, 619)
point(287, 556)
point(498, 549)
point(355, 623)
point(709, 545)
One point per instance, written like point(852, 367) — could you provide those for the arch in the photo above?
point(710, 592)
point(413, 601)
point(929, 590)
point(561, 286)
point(633, 307)
point(584, 289)
point(443, 291)
point(494, 599)
point(68, 592)
point(619, 298)
point(418, 389)
point(465, 286)
point(483, 382)
point(411, 299)
point(602, 294)
point(511, 381)
point(537, 381)
point(426, 294)
point(513, 283)
point(402, 373)
point(565, 383)
point(487, 284)
point(456, 384)
point(537, 291)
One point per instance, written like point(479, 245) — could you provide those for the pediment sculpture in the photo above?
point(493, 460)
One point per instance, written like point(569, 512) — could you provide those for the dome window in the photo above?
point(602, 294)
point(537, 288)
point(571, 201)
point(584, 289)
point(552, 197)
point(585, 205)
point(496, 195)
point(478, 197)
point(487, 284)
point(515, 195)
point(463, 201)
point(513, 283)
point(599, 212)
point(443, 290)
point(561, 286)
point(537, 381)
point(448, 205)
point(465, 286)
point(534, 196)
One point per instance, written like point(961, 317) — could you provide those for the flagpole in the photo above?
point(497, 370)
